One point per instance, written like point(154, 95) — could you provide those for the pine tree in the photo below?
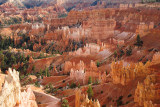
point(47, 72)
point(90, 80)
point(115, 54)
point(98, 63)
point(24, 69)
point(139, 42)
point(34, 69)
point(41, 72)
point(13, 60)
point(90, 92)
point(129, 51)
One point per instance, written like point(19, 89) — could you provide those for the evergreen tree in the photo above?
point(139, 42)
point(115, 54)
point(98, 63)
point(129, 51)
point(90, 80)
point(34, 69)
point(90, 92)
point(47, 72)
point(13, 60)
point(41, 72)
point(24, 69)
point(121, 53)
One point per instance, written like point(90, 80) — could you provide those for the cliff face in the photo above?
point(11, 95)
point(100, 27)
point(106, 23)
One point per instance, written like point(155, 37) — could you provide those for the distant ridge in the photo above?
point(66, 3)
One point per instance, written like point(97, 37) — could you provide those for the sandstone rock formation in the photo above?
point(81, 73)
point(147, 93)
point(100, 27)
point(124, 74)
point(81, 100)
point(78, 75)
point(11, 95)
point(156, 58)
point(28, 98)
point(89, 49)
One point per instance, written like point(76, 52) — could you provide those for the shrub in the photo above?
point(37, 84)
point(119, 101)
point(73, 85)
point(96, 82)
point(127, 102)
point(104, 105)
point(129, 95)
point(129, 51)
point(63, 81)
point(65, 103)
point(79, 86)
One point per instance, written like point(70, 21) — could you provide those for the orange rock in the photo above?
point(82, 100)
point(124, 75)
point(147, 93)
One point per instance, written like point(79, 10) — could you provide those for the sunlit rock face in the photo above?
point(88, 49)
point(100, 27)
point(28, 98)
point(147, 93)
point(80, 72)
point(11, 95)
point(77, 75)
point(124, 74)
point(156, 58)
point(81, 100)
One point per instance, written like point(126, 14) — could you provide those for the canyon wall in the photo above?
point(104, 23)
point(100, 27)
